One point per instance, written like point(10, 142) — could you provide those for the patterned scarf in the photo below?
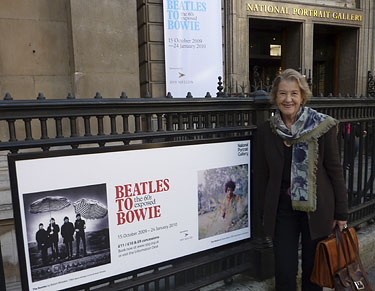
point(303, 135)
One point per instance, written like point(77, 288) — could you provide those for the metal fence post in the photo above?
point(370, 85)
point(262, 252)
point(2, 276)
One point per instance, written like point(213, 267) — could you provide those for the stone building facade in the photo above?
point(85, 46)
point(332, 41)
point(62, 46)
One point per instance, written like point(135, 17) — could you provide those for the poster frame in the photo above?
point(14, 157)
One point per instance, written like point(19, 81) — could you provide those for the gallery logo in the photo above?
point(243, 149)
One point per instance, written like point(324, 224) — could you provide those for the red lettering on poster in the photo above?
point(134, 202)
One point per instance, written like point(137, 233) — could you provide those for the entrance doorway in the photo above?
point(334, 62)
point(274, 46)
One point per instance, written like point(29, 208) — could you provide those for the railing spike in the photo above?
point(147, 95)
point(98, 95)
point(123, 95)
point(189, 95)
point(40, 96)
point(321, 95)
point(169, 95)
point(339, 95)
point(330, 95)
point(7, 96)
point(208, 95)
point(70, 96)
point(347, 95)
point(220, 87)
point(309, 79)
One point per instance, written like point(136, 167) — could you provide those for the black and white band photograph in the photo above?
point(67, 230)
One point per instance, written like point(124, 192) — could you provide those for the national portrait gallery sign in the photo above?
point(303, 11)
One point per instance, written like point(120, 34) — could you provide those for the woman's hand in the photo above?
point(340, 223)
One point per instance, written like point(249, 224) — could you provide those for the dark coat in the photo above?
point(80, 226)
point(67, 231)
point(332, 200)
point(42, 238)
point(54, 236)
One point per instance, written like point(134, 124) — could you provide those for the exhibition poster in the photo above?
point(94, 215)
point(193, 46)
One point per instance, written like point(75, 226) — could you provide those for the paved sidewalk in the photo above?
point(246, 283)
point(240, 282)
point(366, 238)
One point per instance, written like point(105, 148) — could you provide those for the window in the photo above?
point(275, 50)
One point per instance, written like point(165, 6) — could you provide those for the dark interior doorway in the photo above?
point(274, 46)
point(334, 60)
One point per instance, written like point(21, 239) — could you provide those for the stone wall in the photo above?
point(62, 46)
point(34, 57)
point(34, 51)
point(104, 48)
point(57, 47)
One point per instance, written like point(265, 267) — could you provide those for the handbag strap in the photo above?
point(347, 243)
point(353, 245)
point(338, 247)
point(340, 242)
point(357, 257)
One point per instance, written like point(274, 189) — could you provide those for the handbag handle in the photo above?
point(340, 242)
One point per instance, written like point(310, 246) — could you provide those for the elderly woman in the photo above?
point(299, 179)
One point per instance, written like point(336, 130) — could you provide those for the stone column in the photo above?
point(372, 35)
point(366, 58)
point(236, 40)
point(307, 47)
point(151, 47)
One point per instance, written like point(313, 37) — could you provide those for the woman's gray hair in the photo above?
point(291, 74)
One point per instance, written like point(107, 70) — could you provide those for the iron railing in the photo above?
point(44, 124)
point(72, 122)
point(47, 124)
point(370, 85)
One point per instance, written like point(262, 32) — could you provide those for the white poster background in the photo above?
point(177, 227)
point(193, 46)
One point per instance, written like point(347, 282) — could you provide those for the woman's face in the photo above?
point(289, 99)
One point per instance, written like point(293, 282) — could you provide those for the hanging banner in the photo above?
point(82, 218)
point(193, 46)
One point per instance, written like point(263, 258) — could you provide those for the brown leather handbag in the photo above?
point(352, 276)
point(330, 268)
